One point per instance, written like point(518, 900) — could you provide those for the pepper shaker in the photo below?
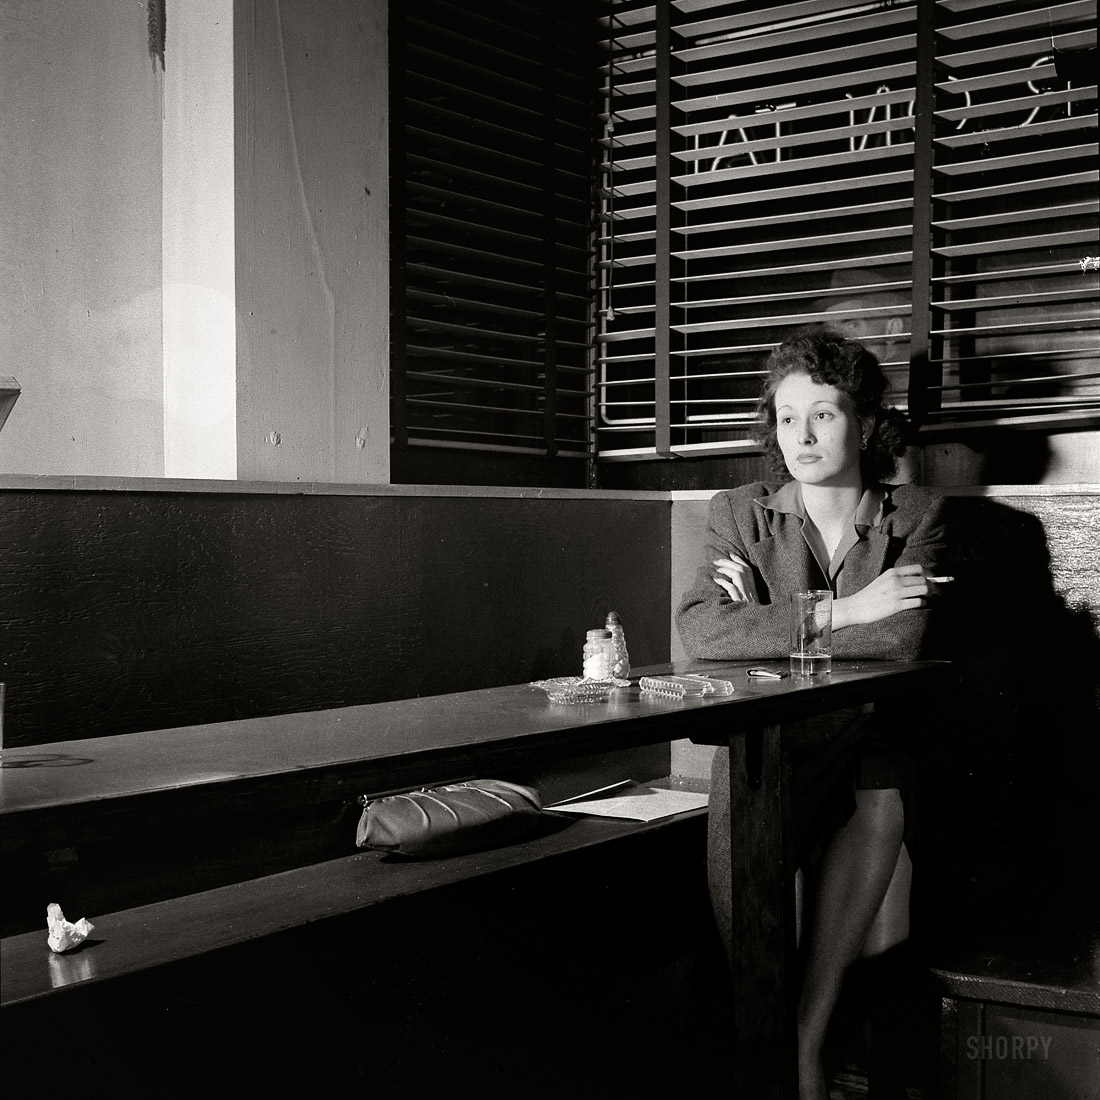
point(620, 665)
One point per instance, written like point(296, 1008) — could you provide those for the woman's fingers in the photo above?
point(914, 584)
point(917, 576)
point(739, 574)
point(907, 580)
point(909, 589)
point(733, 562)
point(731, 589)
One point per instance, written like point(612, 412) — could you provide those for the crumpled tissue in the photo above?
point(64, 936)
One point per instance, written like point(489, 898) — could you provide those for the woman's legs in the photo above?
point(856, 873)
point(891, 924)
point(885, 987)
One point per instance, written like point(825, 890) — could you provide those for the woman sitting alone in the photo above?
point(830, 520)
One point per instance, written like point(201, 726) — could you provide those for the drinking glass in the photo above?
point(811, 630)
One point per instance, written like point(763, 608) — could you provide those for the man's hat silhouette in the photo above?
point(874, 288)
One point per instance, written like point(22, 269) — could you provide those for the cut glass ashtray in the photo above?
point(576, 689)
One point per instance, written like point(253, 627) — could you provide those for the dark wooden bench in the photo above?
point(179, 928)
point(116, 822)
point(125, 608)
point(375, 970)
point(1021, 1017)
point(1021, 991)
point(218, 867)
point(129, 605)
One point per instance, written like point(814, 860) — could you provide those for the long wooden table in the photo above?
point(99, 790)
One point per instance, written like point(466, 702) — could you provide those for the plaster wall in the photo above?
point(194, 262)
point(80, 232)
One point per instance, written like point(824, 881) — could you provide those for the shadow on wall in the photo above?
point(1016, 765)
point(994, 455)
point(1017, 458)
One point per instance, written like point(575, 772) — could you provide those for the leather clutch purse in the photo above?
point(445, 821)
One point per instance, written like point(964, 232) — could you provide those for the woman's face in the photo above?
point(819, 432)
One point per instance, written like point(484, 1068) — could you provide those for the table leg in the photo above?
point(762, 882)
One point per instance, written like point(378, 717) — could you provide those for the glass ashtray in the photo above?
point(689, 686)
point(576, 689)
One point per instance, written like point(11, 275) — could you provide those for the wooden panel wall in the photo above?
point(131, 610)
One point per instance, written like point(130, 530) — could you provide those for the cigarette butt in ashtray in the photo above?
point(64, 936)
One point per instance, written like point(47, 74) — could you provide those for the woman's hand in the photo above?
point(735, 578)
point(902, 588)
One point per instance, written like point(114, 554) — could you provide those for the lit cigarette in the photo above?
point(941, 580)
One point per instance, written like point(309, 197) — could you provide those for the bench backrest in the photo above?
point(142, 608)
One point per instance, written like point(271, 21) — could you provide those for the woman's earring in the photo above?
point(863, 444)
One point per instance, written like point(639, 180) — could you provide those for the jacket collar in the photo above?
point(870, 511)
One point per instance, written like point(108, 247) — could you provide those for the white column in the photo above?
point(199, 296)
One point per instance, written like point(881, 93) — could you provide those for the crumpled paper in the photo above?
point(64, 936)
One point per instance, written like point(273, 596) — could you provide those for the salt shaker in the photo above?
point(599, 655)
point(620, 665)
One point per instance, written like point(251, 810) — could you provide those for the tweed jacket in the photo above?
point(909, 529)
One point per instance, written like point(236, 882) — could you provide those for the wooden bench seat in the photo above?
point(523, 965)
point(1020, 1017)
point(117, 822)
point(233, 916)
point(136, 940)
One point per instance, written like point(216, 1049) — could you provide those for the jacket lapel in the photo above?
point(864, 561)
point(780, 559)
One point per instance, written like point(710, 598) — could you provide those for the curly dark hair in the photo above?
point(832, 360)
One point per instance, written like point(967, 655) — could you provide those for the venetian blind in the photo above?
point(921, 175)
point(1013, 322)
point(491, 194)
